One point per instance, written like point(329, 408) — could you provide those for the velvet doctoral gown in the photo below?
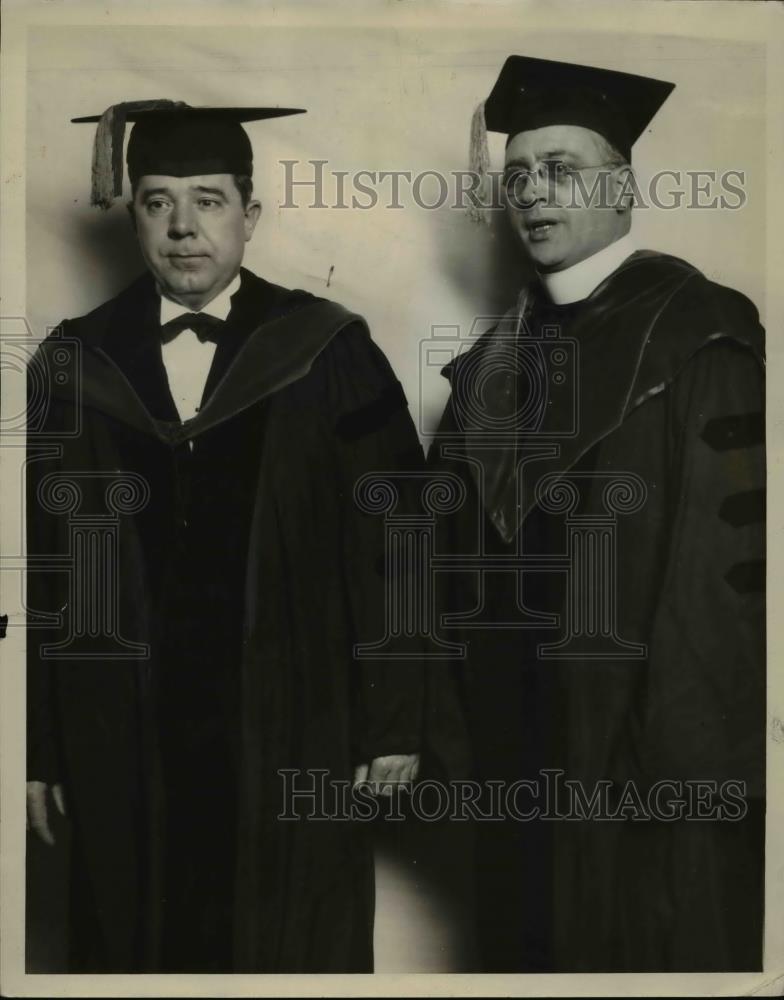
point(207, 642)
point(637, 416)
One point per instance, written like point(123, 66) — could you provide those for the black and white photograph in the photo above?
point(391, 498)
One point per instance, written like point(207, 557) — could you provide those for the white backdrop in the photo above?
point(378, 99)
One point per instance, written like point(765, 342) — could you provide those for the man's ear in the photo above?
point(132, 212)
point(624, 187)
point(252, 216)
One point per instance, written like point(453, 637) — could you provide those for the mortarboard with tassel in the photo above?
point(533, 93)
point(170, 138)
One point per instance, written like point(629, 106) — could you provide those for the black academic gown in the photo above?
point(246, 575)
point(669, 404)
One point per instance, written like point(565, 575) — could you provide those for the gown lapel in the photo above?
point(556, 380)
point(267, 344)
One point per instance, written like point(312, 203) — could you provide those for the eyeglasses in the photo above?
point(555, 174)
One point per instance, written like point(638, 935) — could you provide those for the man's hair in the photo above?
point(242, 182)
point(610, 155)
point(614, 158)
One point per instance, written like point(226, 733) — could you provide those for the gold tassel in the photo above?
point(108, 148)
point(479, 165)
point(104, 184)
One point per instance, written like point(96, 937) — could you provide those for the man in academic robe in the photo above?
point(609, 435)
point(205, 644)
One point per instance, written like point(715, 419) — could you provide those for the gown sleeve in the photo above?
point(409, 701)
point(374, 434)
point(705, 705)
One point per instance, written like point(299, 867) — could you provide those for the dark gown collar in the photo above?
point(271, 337)
point(555, 380)
point(132, 340)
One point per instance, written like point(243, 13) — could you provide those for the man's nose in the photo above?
point(182, 222)
point(527, 189)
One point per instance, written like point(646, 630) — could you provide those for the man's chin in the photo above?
point(182, 283)
point(544, 258)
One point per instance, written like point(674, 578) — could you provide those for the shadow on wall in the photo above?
point(483, 268)
point(425, 897)
point(108, 248)
point(485, 264)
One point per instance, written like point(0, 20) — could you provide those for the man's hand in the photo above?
point(387, 773)
point(37, 810)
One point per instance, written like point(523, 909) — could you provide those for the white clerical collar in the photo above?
point(578, 281)
point(219, 307)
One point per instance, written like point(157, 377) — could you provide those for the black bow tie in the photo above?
point(205, 327)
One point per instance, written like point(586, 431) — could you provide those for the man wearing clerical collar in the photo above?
point(608, 434)
point(208, 651)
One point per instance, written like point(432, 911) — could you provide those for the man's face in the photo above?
point(192, 232)
point(555, 225)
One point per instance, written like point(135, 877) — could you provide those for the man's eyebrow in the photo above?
point(202, 189)
point(550, 154)
point(516, 163)
point(209, 190)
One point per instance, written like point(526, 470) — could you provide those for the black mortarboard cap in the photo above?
point(171, 138)
point(531, 93)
